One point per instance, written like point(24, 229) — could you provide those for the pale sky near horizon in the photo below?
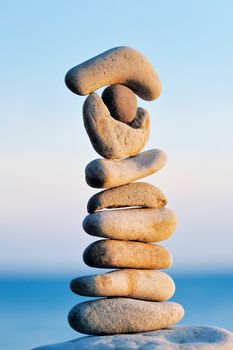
point(44, 147)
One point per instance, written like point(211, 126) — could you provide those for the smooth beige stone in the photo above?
point(136, 194)
point(150, 285)
point(105, 173)
point(144, 225)
point(173, 338)
point(123, 315)
point(121, 102)
point(120, 65)
point(111, 138)
point(110, 253)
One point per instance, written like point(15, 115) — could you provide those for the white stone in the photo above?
point(175, 338)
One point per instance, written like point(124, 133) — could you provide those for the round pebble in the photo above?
point(121, 102)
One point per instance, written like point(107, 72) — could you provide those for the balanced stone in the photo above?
point(123, 315)
point(105, 173)
point(110, 253)
point(174, 338)
point(111, 138)
point(150, 285)
point(121, 102)
point(120, 65)
point(144, 225)
point(136, 194)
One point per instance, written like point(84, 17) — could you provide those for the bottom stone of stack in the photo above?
point(123, 315)
point(174, 338)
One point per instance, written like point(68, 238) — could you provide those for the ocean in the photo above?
point(33, 311)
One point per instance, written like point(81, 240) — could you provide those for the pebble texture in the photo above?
point(121, 102)
point(105, 173)
point(110, 253)
point(174, 338)
point(137, 194)
point(148, 285)
point(123, 315)
point(120, 65)
point(143, 225)
point(111, 138)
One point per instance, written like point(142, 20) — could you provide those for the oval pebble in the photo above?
point(144, 225)
point(152, 285)
point(109, 253)
point(105, 173)
point(136, 194)
point(121, 102)
point(123, 315)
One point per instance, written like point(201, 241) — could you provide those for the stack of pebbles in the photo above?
point(129, 216)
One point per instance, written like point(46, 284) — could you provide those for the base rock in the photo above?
point(174, 338)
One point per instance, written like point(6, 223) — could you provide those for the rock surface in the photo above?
point(174, 338)
point(110, 253)
point(105, 173)
point(123, 315)
point(120, 65)
point(121, 102)
point(137, 194)
point(111, 138)
point(137, 284)
point(143, 225)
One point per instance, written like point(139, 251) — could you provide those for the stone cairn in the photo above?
point(136, 293)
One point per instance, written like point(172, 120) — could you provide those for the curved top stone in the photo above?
point(174, 338)
point(120, 65)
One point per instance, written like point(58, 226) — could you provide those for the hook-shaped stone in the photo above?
point(120, 65)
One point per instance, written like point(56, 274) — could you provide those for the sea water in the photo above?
point(33, 311)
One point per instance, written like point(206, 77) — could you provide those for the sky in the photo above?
point(44, 146)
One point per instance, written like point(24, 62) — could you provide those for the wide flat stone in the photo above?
point(123, 315)
point(120, 65)
point(174, 338)
point(109, 253)
point(136, 194)
point(111, 138)
point(145, 225)
point(105, 173)
point(151, 285)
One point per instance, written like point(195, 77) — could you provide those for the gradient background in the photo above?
point(44, 147)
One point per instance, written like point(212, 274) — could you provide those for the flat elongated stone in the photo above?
point(123, 315)
point(111, 138)
point(150, 285)
point(105, 173)
point(174, 338)
point(137, 194)
point(110, 253)
point(120, 65)
point(121, 102)
point(145, 225)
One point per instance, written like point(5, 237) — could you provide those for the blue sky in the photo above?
point(44, 147)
